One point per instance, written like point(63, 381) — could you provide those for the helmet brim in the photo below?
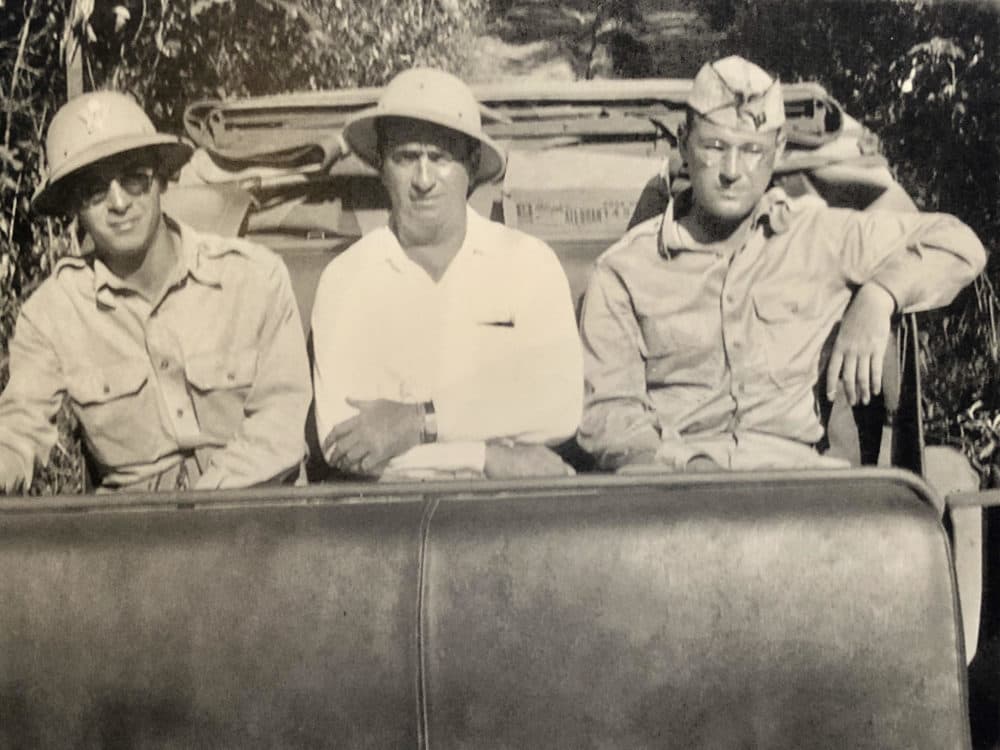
point(361, 134)
point(50, 196)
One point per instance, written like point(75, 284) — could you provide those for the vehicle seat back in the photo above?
point(771, 614)
point(774, 611)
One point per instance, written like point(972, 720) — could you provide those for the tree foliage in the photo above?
point(172, 53)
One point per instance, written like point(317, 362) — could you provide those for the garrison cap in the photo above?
point(738, 94)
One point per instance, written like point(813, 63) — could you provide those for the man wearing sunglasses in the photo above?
point(181, 353)
point(703, 328)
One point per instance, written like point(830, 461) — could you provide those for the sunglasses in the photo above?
point(135, 182)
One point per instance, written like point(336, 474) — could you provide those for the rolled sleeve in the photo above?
point(676, 454)
point(439, 460)
point(922, 260)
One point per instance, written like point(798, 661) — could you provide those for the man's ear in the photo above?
point(779, 149)
point(475, 156)
point(682, 140)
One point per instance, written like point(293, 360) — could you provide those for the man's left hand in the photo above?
point(380, 431)
point(859, 351)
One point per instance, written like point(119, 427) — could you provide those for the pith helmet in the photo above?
point(738, 94)
point(433, 96)
point(92, 127)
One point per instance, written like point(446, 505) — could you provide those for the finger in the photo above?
point(878, 365)
point(328, 442)
point(833, 373)
point(343, 429)
point(370, 466)
point(356, 455)
point(849, 376)
point(358, 403)
point(373, 468)
point(343, 446)
point(864, 379)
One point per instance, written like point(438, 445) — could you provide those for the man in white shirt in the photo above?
point(445, 344)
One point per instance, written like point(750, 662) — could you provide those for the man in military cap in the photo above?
point(703, 328)
point(445, 344)
point(181, 353)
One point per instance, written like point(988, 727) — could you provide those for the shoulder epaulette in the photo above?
point(216, 247)
point(647, 229)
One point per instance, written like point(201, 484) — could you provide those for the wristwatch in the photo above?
point(429, 431)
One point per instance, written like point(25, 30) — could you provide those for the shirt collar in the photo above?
point(772, 209)
point(193, 252)
point(476, 242)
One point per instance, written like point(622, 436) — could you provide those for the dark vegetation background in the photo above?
point(923, 75)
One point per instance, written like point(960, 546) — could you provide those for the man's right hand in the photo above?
point(858, 353)
point(523, 461)
point(380, 431)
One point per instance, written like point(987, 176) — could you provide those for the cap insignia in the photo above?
point(92, 116)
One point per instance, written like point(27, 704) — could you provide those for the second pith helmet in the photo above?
point(433, 96)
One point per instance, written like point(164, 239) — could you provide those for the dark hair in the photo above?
point(473, 154)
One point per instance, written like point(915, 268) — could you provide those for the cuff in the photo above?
point(894, 276)
point(677, 455)
point(446, 458)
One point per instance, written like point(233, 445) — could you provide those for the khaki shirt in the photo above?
point(214, 371)
point(683, 341)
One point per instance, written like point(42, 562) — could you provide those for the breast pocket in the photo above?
point(677, 333)
point(220, 384)
point(118, 410)
point(789, 333)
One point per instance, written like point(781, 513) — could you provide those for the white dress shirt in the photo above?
point(493, 344)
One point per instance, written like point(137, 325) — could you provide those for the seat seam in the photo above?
point(430, 506)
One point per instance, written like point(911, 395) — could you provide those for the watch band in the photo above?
point(429, 432)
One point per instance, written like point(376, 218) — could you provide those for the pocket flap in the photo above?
point(108, 383)
point(783, 308)
point(209, 372)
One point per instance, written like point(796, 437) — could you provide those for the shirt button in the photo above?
point(107, 388)
point(180, 412)
point(730, 299)
point(164, 364)
point(230, 376)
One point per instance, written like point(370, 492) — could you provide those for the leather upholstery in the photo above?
point(724, 616)
point(783, 610)
point(250, 627)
